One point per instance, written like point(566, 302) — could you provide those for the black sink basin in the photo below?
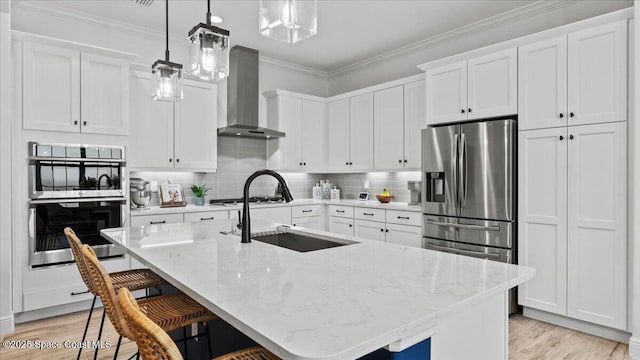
point(300, 242)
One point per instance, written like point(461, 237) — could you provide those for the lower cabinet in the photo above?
point(404, 235)
point(370, 230)
point(311, 222)
point(145, 220)
point(274, 215)
point(340, 225)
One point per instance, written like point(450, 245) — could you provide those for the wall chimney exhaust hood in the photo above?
point(242, 97)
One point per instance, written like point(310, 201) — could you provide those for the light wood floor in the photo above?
point(528, 340)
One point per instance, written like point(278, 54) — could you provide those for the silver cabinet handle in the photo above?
point(465, 226)
point(464, 252)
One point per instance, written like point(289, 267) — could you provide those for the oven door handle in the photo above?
point(56, 201)
point(464, 226)
point(464, 252)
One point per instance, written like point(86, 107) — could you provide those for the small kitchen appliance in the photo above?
point(140, 195)
point(415, 192)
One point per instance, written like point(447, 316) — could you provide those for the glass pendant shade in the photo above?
point(288, 20)
point(167, 81)
point(209, 52)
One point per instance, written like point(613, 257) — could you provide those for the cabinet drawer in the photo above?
point(341, 211)
point(404, 217)
point(206, 216)
point(156, 219)
point(369, 214)
point(304, 211)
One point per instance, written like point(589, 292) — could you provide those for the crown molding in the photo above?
point(293, 66)
point(506, 17)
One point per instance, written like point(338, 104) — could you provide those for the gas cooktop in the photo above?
point(253, 199)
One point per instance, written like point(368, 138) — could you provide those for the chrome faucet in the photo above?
point(246, 225)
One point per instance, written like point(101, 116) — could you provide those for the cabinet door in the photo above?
point(151, 128)
point(414, 122)
point(290, 121)
point(269, 216)
point(51, 88)
point(312, 222)
point(159, 219)
point(369, 230)
point(342, 226)
point(104, 108)
point(598, 74)
point(542, 218)
point(597, 248)
point(339, 134)
point(446, 93)
point(493, 85)
point(196, 139)
point(542, 84)
point(404, 235)
point(314, 135)
point(361, 132)
point(388, 121)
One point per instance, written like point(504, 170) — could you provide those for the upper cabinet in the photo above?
point(338, 134)
point(477, 88)
point(351, 133)
point(74, 90)
point(165, 135)
point(577, 79)
point(303, 119)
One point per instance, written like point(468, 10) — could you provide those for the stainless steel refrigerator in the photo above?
point(469, 187)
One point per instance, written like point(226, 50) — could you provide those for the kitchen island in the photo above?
point(339, 303)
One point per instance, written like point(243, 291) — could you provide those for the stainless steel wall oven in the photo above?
point(76, 186)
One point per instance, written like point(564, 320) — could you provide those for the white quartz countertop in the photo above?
point(156, 210)
point(337, 303)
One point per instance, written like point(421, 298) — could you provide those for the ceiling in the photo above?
point(349, 31)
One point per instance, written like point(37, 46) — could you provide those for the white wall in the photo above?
point(6, 309)
point(403, 63)
point(634, 180)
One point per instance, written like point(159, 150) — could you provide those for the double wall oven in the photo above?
point(76, 186)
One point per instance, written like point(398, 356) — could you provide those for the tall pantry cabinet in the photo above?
point(572, 170)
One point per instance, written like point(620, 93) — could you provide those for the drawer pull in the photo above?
point(340, 211)
point(368, 214)
point(404, 217)
point(307, 211)
point(209, 218)
point(79, 293)
point(157, 222)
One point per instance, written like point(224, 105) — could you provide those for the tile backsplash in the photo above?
point(238, 158)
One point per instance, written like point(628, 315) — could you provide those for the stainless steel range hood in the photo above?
point(242, 97)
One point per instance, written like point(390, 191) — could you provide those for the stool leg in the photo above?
point(186, 351)
point(206, 327)
point(95, 353)
point(86, 326)
point(115, 355)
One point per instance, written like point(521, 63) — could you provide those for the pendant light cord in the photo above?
point(166, 14)
point(208, 12)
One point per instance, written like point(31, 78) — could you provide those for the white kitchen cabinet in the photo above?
point(361, 132)
point(369, 230)
point(338, 134)
point(311, 222)
point(542, 84)
point(205, 216)
point(158, 219)
point(195, 138)
point(480, 87)
point(542, 218)
point(341, 225)
point(597, 226)
point(272, 215)
point(414, 122)
point(304, 122)
point(65, 89)
point(308, 216)
point(388, 105)
point(446, 93)
point(572, 221)
point(597, 74)
point(404, 235)
point(167, 135)
point(576, 79)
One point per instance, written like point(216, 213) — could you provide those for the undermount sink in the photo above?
point(298, 241)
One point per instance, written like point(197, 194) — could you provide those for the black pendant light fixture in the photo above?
point(167, 75)
point(209, 50)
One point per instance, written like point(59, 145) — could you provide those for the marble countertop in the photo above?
point(337, 303)
point(156, 210)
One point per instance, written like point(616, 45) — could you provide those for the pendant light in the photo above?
point(167, 75)
point(288, 20)
point(209, 50)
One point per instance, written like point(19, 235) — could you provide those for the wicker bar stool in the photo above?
point(169, 312)
point(155, 344)
point(136, 279)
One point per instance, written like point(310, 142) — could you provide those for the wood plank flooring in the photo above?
point(528, 340)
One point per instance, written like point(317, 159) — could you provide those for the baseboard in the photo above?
point(634, 348)
point(54, 311)
point(579, 325)
point(7, 325)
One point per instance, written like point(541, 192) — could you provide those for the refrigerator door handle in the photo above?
point(464, 252)
point(464, 226)
point(463, 172)
point(456, 167)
